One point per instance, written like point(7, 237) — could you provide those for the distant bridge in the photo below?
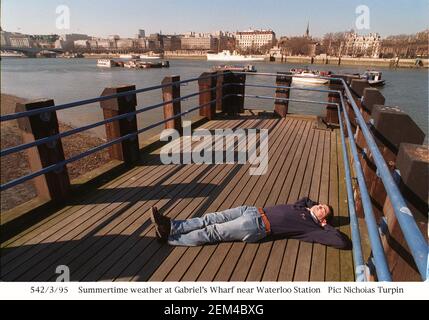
point(30, 51)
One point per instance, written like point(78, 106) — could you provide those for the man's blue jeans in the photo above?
point(241, 223)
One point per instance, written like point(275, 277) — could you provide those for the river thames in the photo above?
point(67, 80)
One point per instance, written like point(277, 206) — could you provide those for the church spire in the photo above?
point(307, 32)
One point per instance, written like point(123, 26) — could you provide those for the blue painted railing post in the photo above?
point(54, 185)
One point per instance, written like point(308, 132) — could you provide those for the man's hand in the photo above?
point(323, 222)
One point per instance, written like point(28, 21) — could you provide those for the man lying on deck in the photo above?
point(304, 220)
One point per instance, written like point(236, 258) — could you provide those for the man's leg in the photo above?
point(185, 226)
point(248, 227)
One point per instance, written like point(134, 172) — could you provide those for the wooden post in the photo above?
point(413, 165)
point(171, 109)
point(219, 90)
point(371, 97)
point(357, 86)
point(206, 83)
point(232, 104)
point(391, 128)
point(127, 150)
point(281, 106)
point(331, 110)
point(54, 185)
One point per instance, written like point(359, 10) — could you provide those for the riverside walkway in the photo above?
point(108, 235)
point(105, 234)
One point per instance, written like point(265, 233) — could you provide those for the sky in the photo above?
point(285, 17)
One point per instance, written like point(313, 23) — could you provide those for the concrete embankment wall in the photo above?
point(402, 63)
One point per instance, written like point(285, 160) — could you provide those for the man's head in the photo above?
point(322, 212)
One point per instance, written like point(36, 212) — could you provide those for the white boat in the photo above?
point(11, 54)
point(373, 77)
point(308, 77)
point(248, 68)
point(149, 57)
point(106, 63)
point(128, 56)
point(134, 63)
point(226, 55)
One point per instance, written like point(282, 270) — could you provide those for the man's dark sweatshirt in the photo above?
point(295, 221)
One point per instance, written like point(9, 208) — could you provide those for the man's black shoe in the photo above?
point(162, 224)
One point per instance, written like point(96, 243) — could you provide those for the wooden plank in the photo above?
point(287, 270)
point(150, 168)
point(256, 195)
point(274, 264)
point(147, 269)
point(198, 269)
point(303, 263)
point(274, 261)
point(332, 254)
point(207, 206)
point(66, 231)
point(318, 259)
point(101, 263)
point(74, 252)
point(45, 251)
point(172, 259)
point(83, 200)
point(346, 256)
point(188, 258)
point(257, 268)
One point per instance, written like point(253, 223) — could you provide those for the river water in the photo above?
point(67, 80)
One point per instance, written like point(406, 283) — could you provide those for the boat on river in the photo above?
point(373, 77)
point(226, 55)
point(107, 63)
point(307, 76)
point(247, 68)
point(139, 64)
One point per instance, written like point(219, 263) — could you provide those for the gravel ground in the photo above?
point(16, 165)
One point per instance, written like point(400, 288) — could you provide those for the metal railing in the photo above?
point(412, 234)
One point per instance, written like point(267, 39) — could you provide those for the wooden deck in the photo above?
point(107, 235)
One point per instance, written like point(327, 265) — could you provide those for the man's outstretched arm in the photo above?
point(305, 202)
point(328, 236)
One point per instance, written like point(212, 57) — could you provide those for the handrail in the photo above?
point(410, 230)
point(59, 165)
point(380, 261)
point(96, 124)
point(412, 234)
point(358, 259)
point(280, 99)
point(280, 87)
point(28, 113)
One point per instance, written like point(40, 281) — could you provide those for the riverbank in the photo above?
point(345, 61)
point(16, 165)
